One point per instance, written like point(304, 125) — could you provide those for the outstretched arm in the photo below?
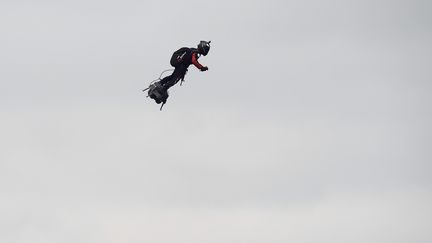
point(197, 64)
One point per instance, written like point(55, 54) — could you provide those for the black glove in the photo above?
point(204, 69)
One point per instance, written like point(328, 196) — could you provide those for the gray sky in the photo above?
point(311, 125)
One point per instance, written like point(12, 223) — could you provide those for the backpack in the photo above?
point(182, 55)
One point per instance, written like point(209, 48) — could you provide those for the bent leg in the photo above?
point(159, 90)
point(166, 81)
point(179, 73)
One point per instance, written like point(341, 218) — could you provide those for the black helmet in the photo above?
point(204, 47)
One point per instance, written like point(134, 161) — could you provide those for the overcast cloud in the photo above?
point(311, 125)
